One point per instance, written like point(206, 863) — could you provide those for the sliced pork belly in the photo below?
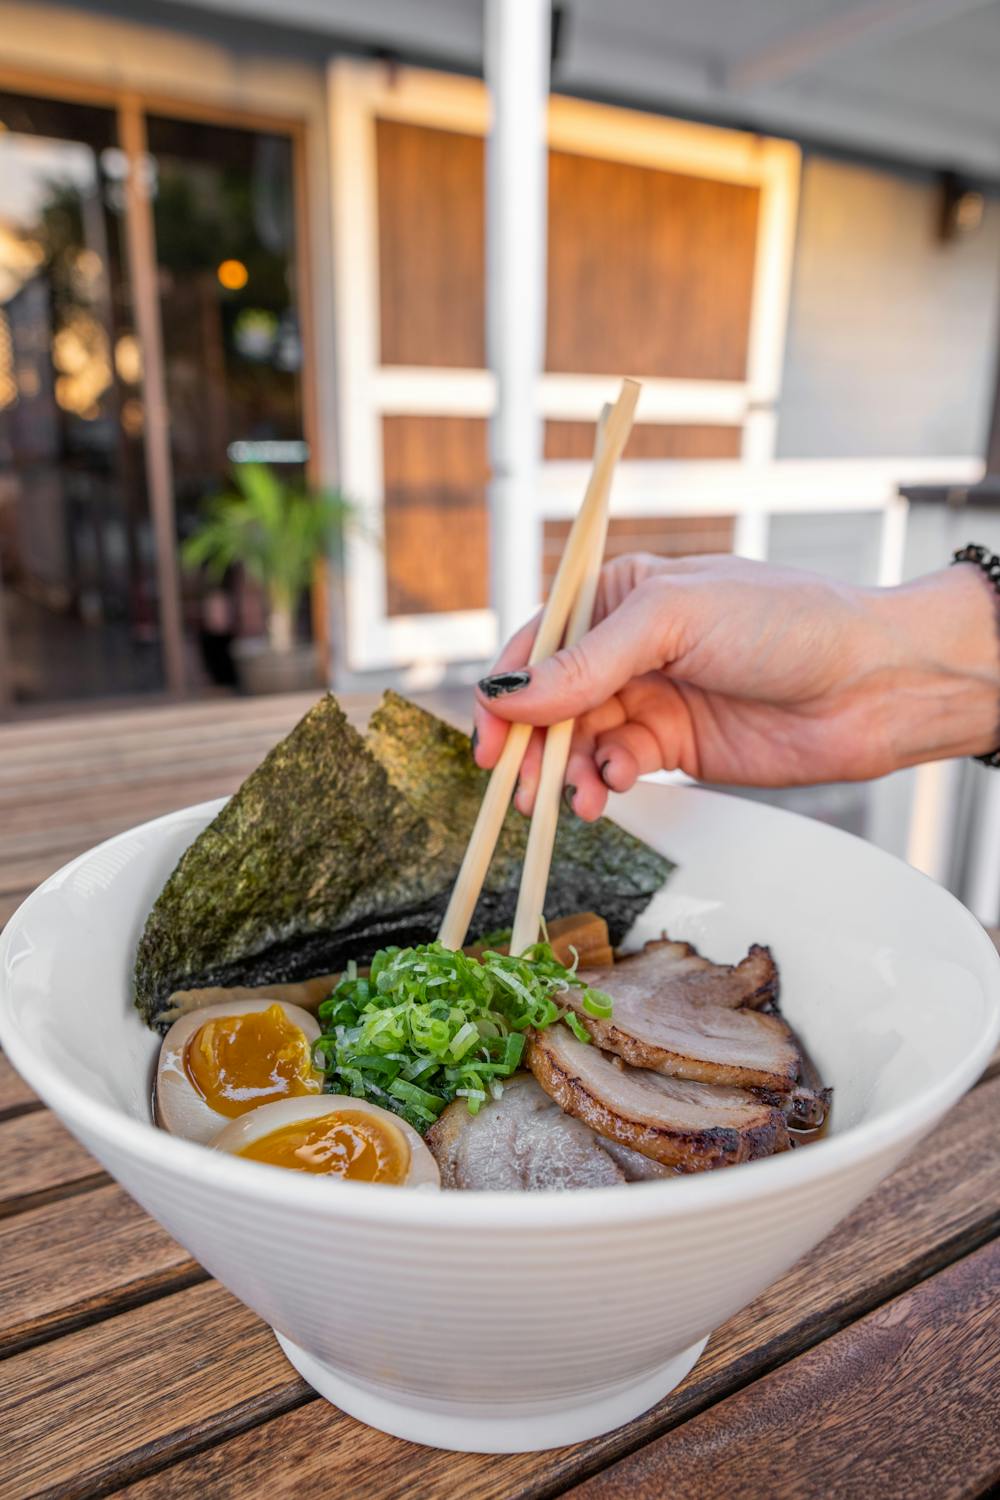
point(523, 1141)
point(680, 970)
point(808, 1105)
point(655, 1026)
point(637, 1168)
point(683, 1124)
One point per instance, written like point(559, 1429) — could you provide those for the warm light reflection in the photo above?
point(87, 275)
point(8, 385)
point(233, 275)
point(128, 359)
point(20, 257)
point(80, 354)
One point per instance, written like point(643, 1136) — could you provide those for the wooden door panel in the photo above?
point(649, 272)
point(431, 246)
point(667, 536)
point(436, 544)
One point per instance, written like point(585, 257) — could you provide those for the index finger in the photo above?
point(489, 732)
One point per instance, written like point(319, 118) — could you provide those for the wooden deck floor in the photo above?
point(872, 1367)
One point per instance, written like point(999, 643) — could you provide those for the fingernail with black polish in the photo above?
point(502, 683)
point(569, 792)
point(473, 742)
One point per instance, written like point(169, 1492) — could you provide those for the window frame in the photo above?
point(360, 94)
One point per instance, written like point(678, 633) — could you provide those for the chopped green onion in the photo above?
point(595, 1003)
point(429, 1025)
point(576, 1026)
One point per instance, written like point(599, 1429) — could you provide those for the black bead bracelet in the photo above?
point(989, 563)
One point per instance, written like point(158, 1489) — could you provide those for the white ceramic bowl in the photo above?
point(498, 1322)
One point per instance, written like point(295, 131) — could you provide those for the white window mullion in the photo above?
point(404, 390)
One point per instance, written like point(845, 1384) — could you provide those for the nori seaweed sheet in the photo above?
point(315, 859)
point(336, 846)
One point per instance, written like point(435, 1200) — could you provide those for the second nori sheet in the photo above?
point(595, 866)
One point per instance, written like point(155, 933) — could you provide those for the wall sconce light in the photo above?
point(962, 208)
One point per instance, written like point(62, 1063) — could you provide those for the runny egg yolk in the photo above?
point(237, 1062)
point(348, 1143)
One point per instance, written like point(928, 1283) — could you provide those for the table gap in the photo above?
point(136, 1468)
point(39, 1199)
point(168, 1285)
point(13, 1111)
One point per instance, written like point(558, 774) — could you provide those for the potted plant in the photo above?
point(277, 532)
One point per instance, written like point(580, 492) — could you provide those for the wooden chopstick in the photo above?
point(586, 531)
point(541, 837)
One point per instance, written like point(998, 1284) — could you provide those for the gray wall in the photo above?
point(892, 334)
point(843, 544)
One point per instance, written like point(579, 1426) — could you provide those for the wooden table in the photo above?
point(871, 1368)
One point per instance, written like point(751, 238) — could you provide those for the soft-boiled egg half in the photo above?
point(222, 1061)
point(333, 1136)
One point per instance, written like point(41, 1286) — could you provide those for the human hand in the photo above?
point(740, 672)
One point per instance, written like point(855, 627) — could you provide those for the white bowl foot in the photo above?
point(463, 1427)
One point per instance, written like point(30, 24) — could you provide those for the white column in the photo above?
point(934, 817)
point(981, 889)
point(517, 42)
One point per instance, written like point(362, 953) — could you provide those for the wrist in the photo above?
point(942, 640)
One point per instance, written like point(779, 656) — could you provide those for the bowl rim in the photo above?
point(365, 1203)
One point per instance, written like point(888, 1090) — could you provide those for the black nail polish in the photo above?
point(501, 683)
point(473, 742)
point(569, 792)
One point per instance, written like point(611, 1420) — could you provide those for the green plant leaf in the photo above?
point(275, 530)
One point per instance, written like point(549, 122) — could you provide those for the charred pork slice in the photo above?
point(679, 969)
point(637, 1168)
point(523, 1141)
point(655, 1026)
point(808, 1105)
point(687, 1125)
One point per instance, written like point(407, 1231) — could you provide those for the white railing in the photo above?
point(753, 492)
point(915, 814)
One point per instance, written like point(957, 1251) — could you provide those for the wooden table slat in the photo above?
point(15, 1095)
point(28, 828)
point(865, 1413)
point(79, 827)
point(39, 1159)
point(158, 763)
point(944, 1199)
point(80, 1258)
point(62, 733)
point(98, 1404)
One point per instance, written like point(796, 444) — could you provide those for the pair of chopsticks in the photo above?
point(566, 616)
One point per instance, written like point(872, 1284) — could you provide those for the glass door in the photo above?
point(149, 341)
point(77, 570)
point(224, 217)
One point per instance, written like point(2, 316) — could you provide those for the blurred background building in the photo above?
point(230, 230)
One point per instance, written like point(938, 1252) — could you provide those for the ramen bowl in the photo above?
point(497, 1322)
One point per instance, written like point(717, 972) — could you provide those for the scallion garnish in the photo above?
point(428, 1025)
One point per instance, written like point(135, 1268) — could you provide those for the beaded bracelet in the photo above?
point(989, 562)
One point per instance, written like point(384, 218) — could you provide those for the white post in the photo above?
point(931, 842)
point(517, 42)
point(981, 889)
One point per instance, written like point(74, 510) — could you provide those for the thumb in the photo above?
point(624, 645)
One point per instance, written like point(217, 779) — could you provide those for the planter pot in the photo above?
point(262, 670)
